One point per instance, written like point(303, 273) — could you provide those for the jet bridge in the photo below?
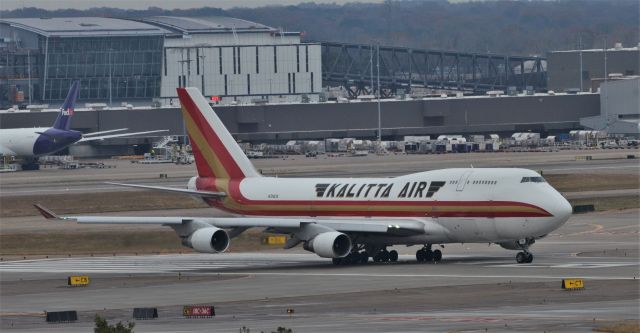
point(354, 67)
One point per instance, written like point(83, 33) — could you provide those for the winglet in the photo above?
point(47, 213)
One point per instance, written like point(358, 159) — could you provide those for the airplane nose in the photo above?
point(565, 208)
point(562, 209)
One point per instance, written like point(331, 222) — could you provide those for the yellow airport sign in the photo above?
point(274, 240)
point(572, 284)
point(78, 280)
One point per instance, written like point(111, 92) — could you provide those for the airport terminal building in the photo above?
point(564, 67)
point(126, 60)
point(268, 84)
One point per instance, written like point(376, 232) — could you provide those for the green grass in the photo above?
point(593, 182)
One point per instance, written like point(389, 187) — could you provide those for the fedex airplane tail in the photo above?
point(216, 153)
point(63, 122)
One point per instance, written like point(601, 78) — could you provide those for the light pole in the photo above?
point(180, 84)
point(580, 47)
point(29, 70)
point(371, 67)
point(606, 104)
point(378, 95)
point(110, 96)
point(203, 65)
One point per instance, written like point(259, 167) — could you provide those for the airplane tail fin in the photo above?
point(216, 153)
point(63, 122)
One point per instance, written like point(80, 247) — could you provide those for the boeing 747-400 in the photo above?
point(352, 219)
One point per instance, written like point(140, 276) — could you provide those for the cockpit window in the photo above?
point(533, 180)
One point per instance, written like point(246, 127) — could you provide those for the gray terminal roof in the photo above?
point(84, 26)
point(210, 24)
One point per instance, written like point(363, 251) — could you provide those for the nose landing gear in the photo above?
point(524, 257)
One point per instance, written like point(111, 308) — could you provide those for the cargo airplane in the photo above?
point(30, 143)
point(351, 219)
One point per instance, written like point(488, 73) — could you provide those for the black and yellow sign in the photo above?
point(572, 284)
point(78, 281)
point(274, 240)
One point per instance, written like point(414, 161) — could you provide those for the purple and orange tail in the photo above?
point(216, 153)
point(63, 122)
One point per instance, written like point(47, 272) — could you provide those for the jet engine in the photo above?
point(329, 245)
point(209, 240)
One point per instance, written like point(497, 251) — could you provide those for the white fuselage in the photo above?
point(474, 205)
point(19, 141)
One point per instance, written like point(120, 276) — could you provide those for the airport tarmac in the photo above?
point(475, 287)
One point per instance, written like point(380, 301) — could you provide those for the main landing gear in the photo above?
point(361, 256)
point(385, 256)
point(352, 258)
point(425, 254)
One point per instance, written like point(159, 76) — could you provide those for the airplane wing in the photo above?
point(396, 227)
point(102, 137)
point(104, 132)
point(204, 194)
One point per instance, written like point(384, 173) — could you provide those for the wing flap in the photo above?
point(109, 136)
point(103, 132)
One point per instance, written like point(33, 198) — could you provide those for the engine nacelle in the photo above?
point(209, 240)
point(329, 245)
point(517, 244)
point(510, 245)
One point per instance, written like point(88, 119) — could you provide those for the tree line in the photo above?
point(507, 27)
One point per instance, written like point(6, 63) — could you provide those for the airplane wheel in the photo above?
point(437, 255)
point(420, 255)
point(384, 256)
point(356, 258)
point(336, 261)
point(428, 256)
point(529, 258)
point(393, 255)
point(364, 258)
point(521, 258)
point(348, 260)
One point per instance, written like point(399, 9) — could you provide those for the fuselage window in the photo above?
point(533, 180)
